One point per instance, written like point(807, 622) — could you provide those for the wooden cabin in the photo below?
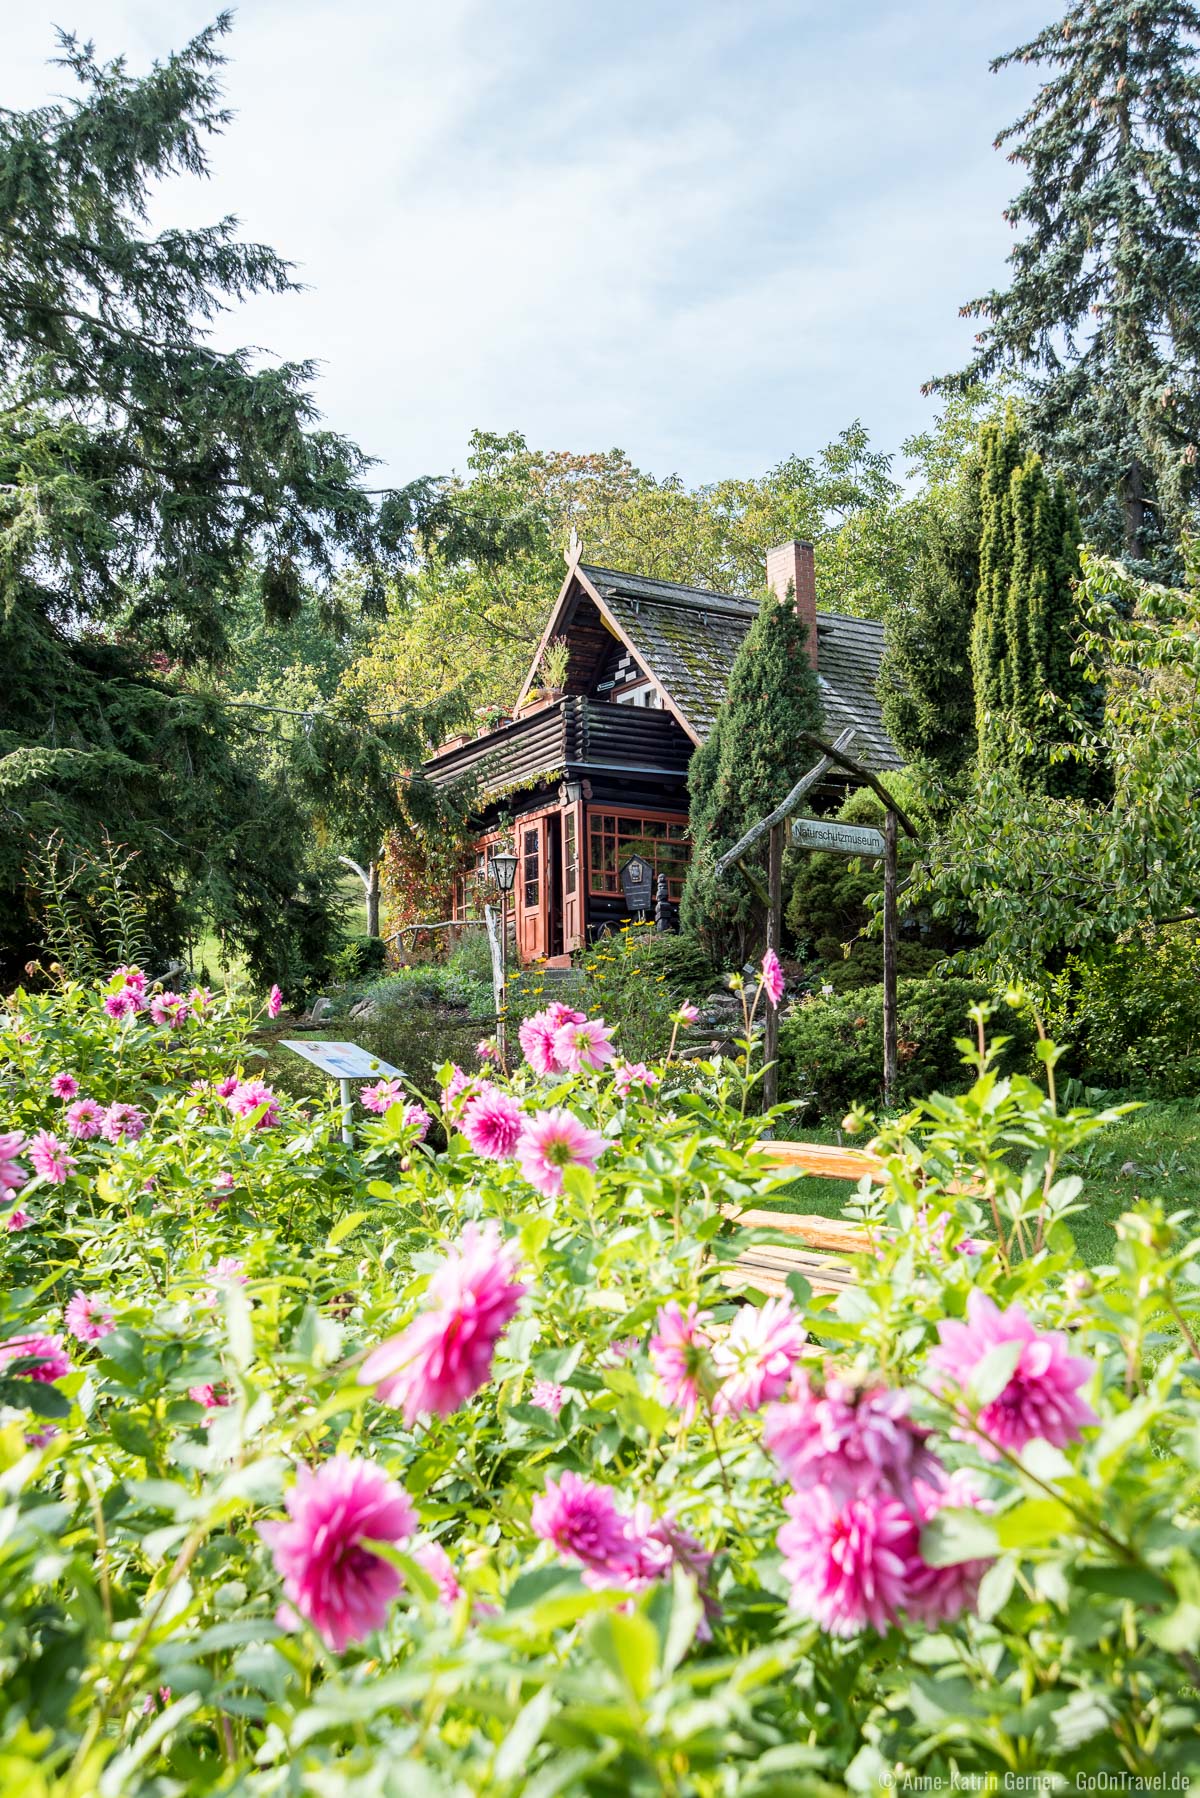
point(580, 780)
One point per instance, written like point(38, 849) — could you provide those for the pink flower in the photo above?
point(620, 1349)
point(200, 998)
point(547, 1396)
point(213, 1398)
point(383, 1094)
point(850, 1566)
point(628, 1074)
point(122, 1123)
point(246, 1099)
point(85, 1119)
point(224, 1181)
point(417, 1118)
point(228, 1269)
point(226, 1088)
point(53, 1362)
point(536, 1035)
point(851, 1442)
point(121, 1005)
point(64, 1086)
point(329, 1575)
point(1041, 1398)
point(687, 1013)
point(487, 1051)
point(445, 1354)
point(754, 1359)
point(50, 1158)
point(88, 1317)
point(133, 978)
point(653, 1545)
point(17, 1220)
point(41, 1438)
point(678, 1353)
point(440, 1568)
point(585, 1045)
point(459, 1090)
point(12, 1174)
point(274, 1002)
point(169, 1008)
point(772, 977)
point(552, 1141)
point(492, 1125)
point(581, 1519)
point(940, 1594)
point(558, 1014)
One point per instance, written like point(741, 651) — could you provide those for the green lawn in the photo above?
point(1153, 1154)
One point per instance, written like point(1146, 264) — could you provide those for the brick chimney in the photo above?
point(790, 565)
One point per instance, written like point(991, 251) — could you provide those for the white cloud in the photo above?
point(711, 234)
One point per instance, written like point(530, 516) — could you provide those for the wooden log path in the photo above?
point(826, 1240)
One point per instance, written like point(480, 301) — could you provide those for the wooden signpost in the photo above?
point(832, 838)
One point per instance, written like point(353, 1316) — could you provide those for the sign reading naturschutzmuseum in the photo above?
point(836, 839)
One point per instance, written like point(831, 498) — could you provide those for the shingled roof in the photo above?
point(686, 639)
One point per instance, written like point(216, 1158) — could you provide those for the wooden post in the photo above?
point(770, 1081)
point(890, 937)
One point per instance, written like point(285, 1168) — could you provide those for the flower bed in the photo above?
point(342, 1470)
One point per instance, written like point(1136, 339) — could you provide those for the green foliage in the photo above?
point(1042, 876)
point(140, 1600)
point(1102, 316)
point(635, 979)
point(360, 957)
point(831, 1050)
point(1029, 698)
point(746, 766)
point(1129, 1014)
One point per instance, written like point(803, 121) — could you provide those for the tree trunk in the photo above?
point(1133, 494)
point(373, 899)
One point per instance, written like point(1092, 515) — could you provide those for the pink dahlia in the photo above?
point(754, 1359)
point(51, 1358)
point(440, 1568)
point(772, 977)
point(224, 1181)
point(122, 1123)
point(459, 1090)
point(88, 1317)
point(445, 1354)
point(850, 1566)
point(213, 1398)
point(940, 1594)
point(274, 1002)
point(226, 1088)
point(492, 1125)
point(17, 1220)
point(329, 1575)
point(850, 1441)
point(200, 998)
point(678, 1354)
point(50, 1158)
point(417, 1118)
point(133, 979)
point(1041, 1398)
point(552, 1141)
point(537, 1036)
point(12, 1174)
point(382, 1095)
point(628, 1074)
point(581, 1519)
point(487, 1050)
point(558, 1014)
point(85, 1119)
point(547, 1396)
point(64, 1086)
point(169, 1008)
point(246, 1098)
point(120, 1006)
point(687, 1013)
point(583, 1045)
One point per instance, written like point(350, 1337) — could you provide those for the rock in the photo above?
point(365, 1008)
point(322, 1008)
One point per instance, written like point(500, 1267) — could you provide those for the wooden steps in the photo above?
point(825, 1240)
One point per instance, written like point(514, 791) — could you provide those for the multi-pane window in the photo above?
point(531, 866)
point(571, 854)
point(615, 836)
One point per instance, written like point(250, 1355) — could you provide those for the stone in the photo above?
point(322, 1008)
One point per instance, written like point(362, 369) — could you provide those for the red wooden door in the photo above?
point(532, 891)
point(574, 902)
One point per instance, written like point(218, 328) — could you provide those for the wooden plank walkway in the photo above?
point(825, 1240)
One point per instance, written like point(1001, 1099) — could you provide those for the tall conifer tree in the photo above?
point(1102, 317)
point(749, 763)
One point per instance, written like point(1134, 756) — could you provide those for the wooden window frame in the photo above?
point(598, 875)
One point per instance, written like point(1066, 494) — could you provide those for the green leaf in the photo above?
point(344, 1226)
point(34, 1395)
point(524, 1735)
point(990, 1376)
point(954, 1535)
point(629, 1645)
point(123, 1347)
point(1034, 1523)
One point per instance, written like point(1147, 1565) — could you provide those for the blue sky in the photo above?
point(710, 234)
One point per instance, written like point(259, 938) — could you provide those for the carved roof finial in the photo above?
point(574, 548)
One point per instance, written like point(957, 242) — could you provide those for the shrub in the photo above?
point(637, 979)
point(1131, 1013)
point(338, 1468)
point(360, 957)
point(831, 1050)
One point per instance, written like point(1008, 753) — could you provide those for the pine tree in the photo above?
point(1102, 317)
point(925, 679)
point(752, 758)
point(1033, 704)
point(145, 478)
